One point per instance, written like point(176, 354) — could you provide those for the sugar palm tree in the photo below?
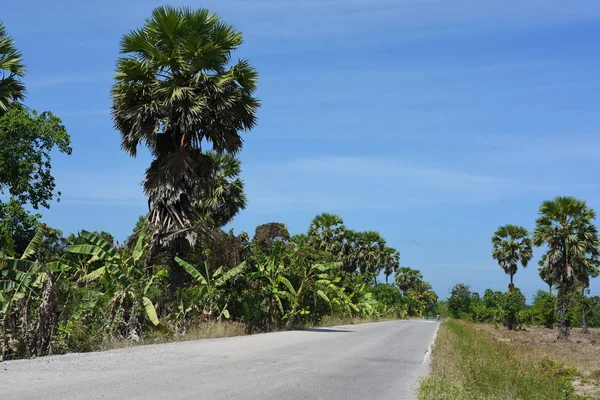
point(565, 225)
point(327, 230)
point(423, 293)
point(545, 273)
point(407, 278)
point(11, 70)
point(511, 246)
point(175, 90)
point(391, 263)
point(225, 197)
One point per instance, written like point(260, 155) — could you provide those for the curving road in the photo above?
point(379, 361)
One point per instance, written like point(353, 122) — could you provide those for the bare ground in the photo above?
point(581, 351)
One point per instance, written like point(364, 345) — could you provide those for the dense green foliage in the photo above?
point(77, 293)
point(511, 310)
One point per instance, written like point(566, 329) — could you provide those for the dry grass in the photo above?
point(581, 351)
point(336, 321)
point(471, 362)
point(211, 330)
point(214, 330)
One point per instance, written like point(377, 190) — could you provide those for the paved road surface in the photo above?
point(369, 361)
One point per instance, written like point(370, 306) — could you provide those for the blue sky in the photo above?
point(431, 121)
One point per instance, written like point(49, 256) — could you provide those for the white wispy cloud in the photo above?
point(369, 183)
point(35, 82)
point(108, 187)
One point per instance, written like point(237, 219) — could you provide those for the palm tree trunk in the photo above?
point(550, 289)
point(561, 299)
point(511, 285)
point(583, 320)
point(176, 272)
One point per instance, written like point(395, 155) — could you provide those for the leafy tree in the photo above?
point(511, 246)
point(266, 236)
point(492, 299)
point(17, 227)
point(225, 197)
point(175, 90)
point(407, 278)
point(389, 297)
point(460, 299)
point(11, 71)
point(544, 309)
point(565, 226)
point(27, 140)
point(513, 303)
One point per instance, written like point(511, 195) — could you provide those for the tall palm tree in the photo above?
point(391, 263)
point(511, 246)
point(327, 231)
point(566, 227)
point(11, 70)
point(174, 91)
point(225, 197)
point(407, 278)
point(423, 293)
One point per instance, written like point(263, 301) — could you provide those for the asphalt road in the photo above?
point(368, 361)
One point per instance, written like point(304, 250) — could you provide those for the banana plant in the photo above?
point(318, 280)
point(119, 273)
point(211, 286)
point(276, 287)
point(22, 279)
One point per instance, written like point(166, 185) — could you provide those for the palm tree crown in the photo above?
point(407, 279)
point(511, 246)
point(174, 91)
point(11, 70)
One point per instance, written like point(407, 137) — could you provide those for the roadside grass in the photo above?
point(215, 330)
point(580, 350)
point(468, 364)
point(329, 320)
point(209, 330)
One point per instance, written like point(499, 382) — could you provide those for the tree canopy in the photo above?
point(28, 139)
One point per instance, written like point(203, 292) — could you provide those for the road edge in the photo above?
point(427, 358)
